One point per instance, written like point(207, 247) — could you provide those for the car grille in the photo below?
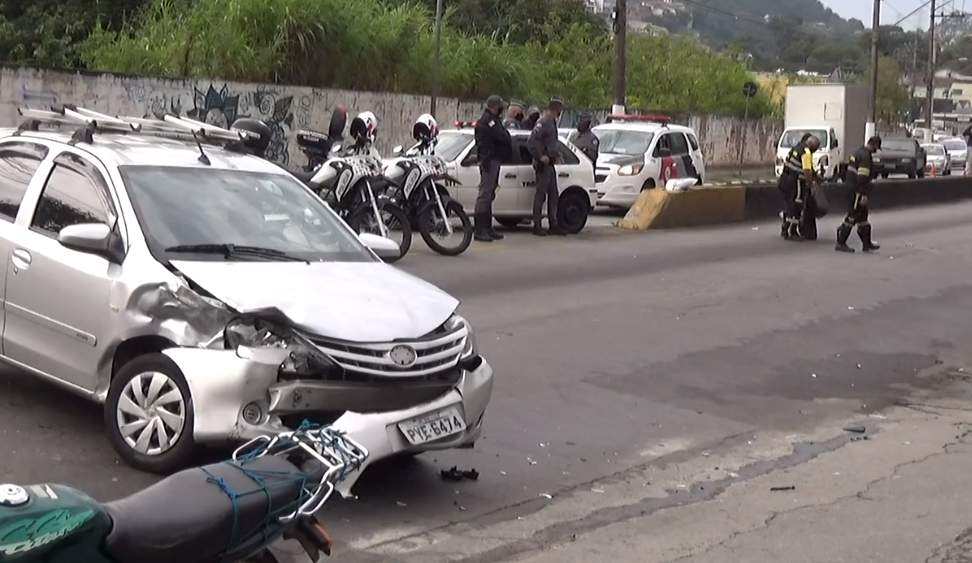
point(435, 352)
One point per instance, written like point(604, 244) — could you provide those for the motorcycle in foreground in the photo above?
point(416, 178)
point(344, 181)
point(229, 512)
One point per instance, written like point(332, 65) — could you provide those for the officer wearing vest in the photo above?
point(795, 183)
point(860, 174)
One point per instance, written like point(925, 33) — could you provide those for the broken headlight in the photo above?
point(470, 349)
point(302, 358)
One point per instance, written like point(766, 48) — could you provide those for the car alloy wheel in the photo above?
point(151, 413)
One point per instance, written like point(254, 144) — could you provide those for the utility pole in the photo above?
point(870, 127)
point(620, 44)
point(930, 85)
point(435, 62)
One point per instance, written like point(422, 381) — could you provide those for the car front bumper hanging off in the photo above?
point(224, 383)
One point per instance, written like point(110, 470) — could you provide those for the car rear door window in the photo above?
point(75, 193)
point(693, 141)
point(679, 144)
point(17, 168)
point(568, 155)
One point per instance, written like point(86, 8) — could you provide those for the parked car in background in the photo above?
point(641, 152)
point(517, 183)
point(936, 156)
point(958, 152)
point(901, 155)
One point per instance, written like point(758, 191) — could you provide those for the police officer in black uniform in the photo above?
point(860, 175)
point(585, 139)
point(544, 146)
point(795, 183)
point(493, 145)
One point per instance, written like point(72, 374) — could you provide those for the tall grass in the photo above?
point(382, 46)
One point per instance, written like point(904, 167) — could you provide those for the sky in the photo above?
point(893, 10)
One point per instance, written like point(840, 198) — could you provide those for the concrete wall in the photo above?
point(288, 109)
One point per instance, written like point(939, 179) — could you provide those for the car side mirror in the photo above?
point(398, 150)
point(92, 238)
point(664, 151)
point(383, 247)
point(834, 144)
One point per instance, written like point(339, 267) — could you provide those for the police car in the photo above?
point(517, 182)
point(640, 152)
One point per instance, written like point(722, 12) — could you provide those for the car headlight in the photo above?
point(299, 356)
point(631, 169)
point(470, 349)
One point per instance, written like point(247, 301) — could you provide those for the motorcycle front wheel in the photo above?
point(432, 225)
point(363, 220)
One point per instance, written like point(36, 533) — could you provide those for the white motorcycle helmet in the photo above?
point(370, 125)
point(425, 128)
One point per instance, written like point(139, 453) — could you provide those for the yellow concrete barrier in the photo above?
point(661, 209)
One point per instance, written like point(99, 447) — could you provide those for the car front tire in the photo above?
point(149, 415)
point(573, 210)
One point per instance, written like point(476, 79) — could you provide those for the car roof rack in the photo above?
point(170, 126)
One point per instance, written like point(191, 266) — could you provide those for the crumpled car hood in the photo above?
point(360, 302)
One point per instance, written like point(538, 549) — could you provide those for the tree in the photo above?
point(893, 100)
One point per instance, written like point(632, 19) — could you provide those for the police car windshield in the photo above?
point(623, 141)
point(451, 143)
point(955, 145)
point(793, 136)
point(185, 208)
point(898, 144)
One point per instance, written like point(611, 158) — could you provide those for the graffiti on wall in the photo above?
point(221, 107)
point(155, 103)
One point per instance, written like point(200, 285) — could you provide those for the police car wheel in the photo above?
point(572, 212)
point(648, 185)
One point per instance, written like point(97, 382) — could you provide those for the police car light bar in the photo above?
point(650, 117)
point(461, 124)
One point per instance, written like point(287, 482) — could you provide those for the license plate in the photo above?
point(432, 426)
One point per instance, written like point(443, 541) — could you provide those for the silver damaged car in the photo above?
point(206, 296)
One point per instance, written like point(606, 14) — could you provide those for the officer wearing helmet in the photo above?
point(425, 129)
point(257, 135)
point(364, 131)
point(493, 145)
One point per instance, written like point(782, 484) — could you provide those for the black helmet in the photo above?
point(258, 134)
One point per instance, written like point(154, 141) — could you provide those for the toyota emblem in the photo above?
point(402, 356)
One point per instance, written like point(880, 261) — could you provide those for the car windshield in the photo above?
point(898, 145)
point(791, 137)
point(955, 145)
point(934, 150)
point(623, 141)
point(451, 143)
point(266, 216)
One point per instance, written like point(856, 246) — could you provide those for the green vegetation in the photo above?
point(522, 48)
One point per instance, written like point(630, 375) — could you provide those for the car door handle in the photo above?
point(509, 175)
point(20, 259)
point(563, 174)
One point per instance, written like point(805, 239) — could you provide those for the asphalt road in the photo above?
point(611, 349)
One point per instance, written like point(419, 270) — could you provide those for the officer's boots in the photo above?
point(843, 233)
point(483, 226)
point(864, 231)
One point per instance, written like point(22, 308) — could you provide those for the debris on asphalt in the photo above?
point(813, 375)
point(859, 438)
point(503, 473)
point(531, 462)
point(787, 488)
point(456, 474)
point(858, 428)
point(402, 504)
point(858, 366)
point(546, 496)
point(597, 490)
